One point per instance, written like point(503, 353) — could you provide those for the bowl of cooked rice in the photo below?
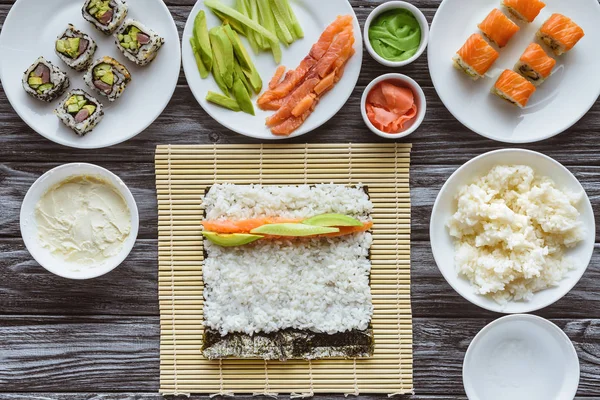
point(512, 231)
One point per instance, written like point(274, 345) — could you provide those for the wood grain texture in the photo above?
point(99, 354)
point(98, 340)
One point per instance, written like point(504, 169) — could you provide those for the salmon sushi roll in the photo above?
point(525, 10)
point(560, 33)
point(535, 65)
point(513, 88)
point(475, 57)
point(498, 27)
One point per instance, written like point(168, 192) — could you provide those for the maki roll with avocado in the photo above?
point(108, 77)
point(45, 81)
point(80, 111)
point(75, 48)
point(138, 43)
point(106, 15)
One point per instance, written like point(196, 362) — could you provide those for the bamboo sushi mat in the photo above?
point(183, 173)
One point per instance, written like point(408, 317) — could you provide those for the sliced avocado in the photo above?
point(72, 47)
point(293, 230)
point(216, 72)
point(71, 100)
point(61, 46)
point(255, 80)
point(251, 72)
point(90, 108)
point(81, 103)
point(108, 78)
point(73, 108)
point(231, 240)
point(196, 50)
point(133, 30)
point(203, 40)
point(80, 98)
point(223, 53)
point(45, 87)
point(242, 96)
point(240, 53)
point(240, 74)
point(223, 101)
point(332, 220)
point(34, 80)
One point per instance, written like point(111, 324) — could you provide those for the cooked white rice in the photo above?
point(320, 284)
point(512, 229)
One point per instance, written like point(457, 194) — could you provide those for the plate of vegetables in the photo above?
point(272, 69)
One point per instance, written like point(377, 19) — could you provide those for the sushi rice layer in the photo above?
point(319, 284)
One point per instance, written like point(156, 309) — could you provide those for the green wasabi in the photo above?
point(395, 35)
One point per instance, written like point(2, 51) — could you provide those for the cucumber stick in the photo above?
point(234, 14)
point(282, 21)
point(268, 21)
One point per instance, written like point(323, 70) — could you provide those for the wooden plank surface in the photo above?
point(98, 339)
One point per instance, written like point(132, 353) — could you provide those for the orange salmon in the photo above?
point(514, 88)
point(525, 10)
point(560, 33)
point(498, 27)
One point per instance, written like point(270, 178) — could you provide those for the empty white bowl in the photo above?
point(420, 101)
point(387, 6)
point(521, 357)
point(29, 229)
point(442, 244)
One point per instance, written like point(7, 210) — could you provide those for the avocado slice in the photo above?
point(196, 50)
point(108, 78)
point(45, 87)
point(225, 48)
point(90, 108)
point(73, 108)
point(203, 40)
point(231, 240)
point(240, 75)
point(332, 220)
point(61, 46)
point(71, 100)
point(293, 230)
point(242, 96)
point(223, 101)
point(238, 48)
point(35, 80)
point(216, 72)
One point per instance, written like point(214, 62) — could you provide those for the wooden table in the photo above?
point(61, 339)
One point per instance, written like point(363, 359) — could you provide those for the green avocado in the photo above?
point(223, 101)
point(231, 240)
point(293, 230)
point(108, 78)
point(332, 220)
point(223, 54)
point(203, 40)
point(34, 80)
point(242, 96)
point(45, 87)
point(90, 108)
point(238, 48)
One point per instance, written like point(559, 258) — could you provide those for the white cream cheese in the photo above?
point(83, 220)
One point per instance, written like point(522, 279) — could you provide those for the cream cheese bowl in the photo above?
point(30, 231)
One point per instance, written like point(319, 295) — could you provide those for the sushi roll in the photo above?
point(535, 65)
point(45, 81)
point(75, 48)
point(524, 10)
point(498, 27)
point(513, 88)
point(475, 57)
point(80, 111)
point(560, 33)
point(106, 15)
point(138, 43)
point(108, 77)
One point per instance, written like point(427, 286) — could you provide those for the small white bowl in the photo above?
point(421, 102)
point(387, 6)
point(442, 244)
point(29, 225)
point(521, 357)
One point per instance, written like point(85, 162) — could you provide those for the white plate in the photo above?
point(442, 244)
point(29, 225)
point(559, 103)
point(30, 31)
point(314, 16)
point(521, 357)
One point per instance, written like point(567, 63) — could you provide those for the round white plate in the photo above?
point(314, 16)
point(521, 357)
point(30, 31)
point(561, 101)
point(29, 225)
point(442, 244)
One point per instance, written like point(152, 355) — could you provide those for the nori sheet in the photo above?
point(288, 344)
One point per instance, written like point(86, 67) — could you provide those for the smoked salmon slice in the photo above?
point(277, 77)
point(286, 109)
point(328, 35)
point(498, 27)
point(560, 33)
point(525, 10)
point(304, 105)
point(291, 124)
